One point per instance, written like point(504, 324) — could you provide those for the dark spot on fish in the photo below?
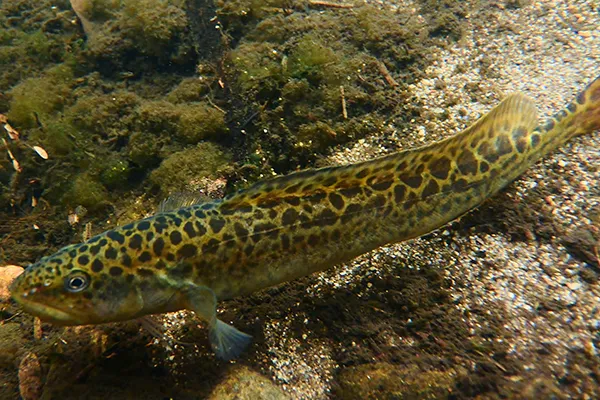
point(126, 260)
point(175, 237)
point(264, 227)
point(83, 248)
point(206, 206)
point(484, 167)
point(184, 213)
point(307, 208)
point(200, 229)
point(535, 139)
point(460, 185)
point(199, 214)
point(160, 264)
point(187, 251)
point(431, 189)
point(440, 168)
point(581, 97)
point(188, 228)
point(145, 273)
point(158, 246)
point(336, 200)
point(145, 256)
point(182, 270)
point(293, 188)
point(170, 257)
point(467, 163)
point(211, 246)
point(363, 173)
point(97, 265)
point(414, 181)
point(519, 133)
point(383, 185)
point(336, 235)
point(149, 236)
point(97, 285)
point(285, 242)
point(103, 242)
point(272, 214)
point(111, 253)
point(128, 233)
point(298, 239)
point(216, 224)
point(136, 241)
point(562, 114)
point(549, 125)
point(240, 231)
point(350, 192)
point(521, 145)
point(330, 181)
point(399, 193)
point(248, 249)
point(115, 271)
point(95, 249)
point(72, 253)
point(143, 226)
point(313, 240)
point(327, 217)
point(503, 145)
point(116, 236)
point(289, 216)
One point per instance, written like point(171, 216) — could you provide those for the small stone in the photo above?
point(7, 274)
point(242, 383)
point(30, 377)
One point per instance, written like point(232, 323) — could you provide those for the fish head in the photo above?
point(62, 290)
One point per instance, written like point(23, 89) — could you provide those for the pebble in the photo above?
point(7, 274)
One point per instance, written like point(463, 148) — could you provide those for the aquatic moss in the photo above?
point(200, 121)
point(115, 173)
point(188, 90)
point(36, 98)
point(157, 116)
point(139, 35)
point(180, 169)
point(86, 191)
point(145, 150)
point(153, 24)
point(105, 113)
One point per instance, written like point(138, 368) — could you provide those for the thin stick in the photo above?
point(329, 4)
point(344, 111)
point(386, 74)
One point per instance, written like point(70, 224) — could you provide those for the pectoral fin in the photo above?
point(226, 341)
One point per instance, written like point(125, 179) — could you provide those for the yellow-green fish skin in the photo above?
point(294, 225)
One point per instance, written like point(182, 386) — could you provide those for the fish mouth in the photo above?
point(48, 313)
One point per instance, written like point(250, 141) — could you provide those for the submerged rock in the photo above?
point(242, 383)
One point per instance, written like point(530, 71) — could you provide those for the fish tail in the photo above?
point(580, 117)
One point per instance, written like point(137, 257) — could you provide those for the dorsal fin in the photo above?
point(180, 200)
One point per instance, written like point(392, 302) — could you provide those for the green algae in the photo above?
point(177, 171)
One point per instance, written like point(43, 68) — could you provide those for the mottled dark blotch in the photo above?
point(158, 246)
point(431, 189)
point(115, 271)
point(440, 168)
point(135, 242)
point(467, 163)
point(187, 251)
point(216, 224)
point(412, 180)
point(175, 237)
point(111, 253)
point(143, 226)
point(116, 236)
point(336, 200)
point(144, 257)
point(189, 230)
point(97, 265)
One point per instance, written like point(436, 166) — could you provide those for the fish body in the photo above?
point(292, 226)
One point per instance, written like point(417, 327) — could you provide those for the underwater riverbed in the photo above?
point(132, 101)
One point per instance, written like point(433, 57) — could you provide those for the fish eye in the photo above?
point(77, 282)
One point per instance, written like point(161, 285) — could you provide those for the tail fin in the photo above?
point(580, 117)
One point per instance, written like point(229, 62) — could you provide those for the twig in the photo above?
point(386, 74)
point(344, 111)
point(317, 3)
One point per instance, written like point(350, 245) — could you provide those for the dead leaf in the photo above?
point(41, 152)
point(12, 132)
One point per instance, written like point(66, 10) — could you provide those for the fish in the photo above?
point(192, 254)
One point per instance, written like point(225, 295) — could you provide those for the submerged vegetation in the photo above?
point(132, 105)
